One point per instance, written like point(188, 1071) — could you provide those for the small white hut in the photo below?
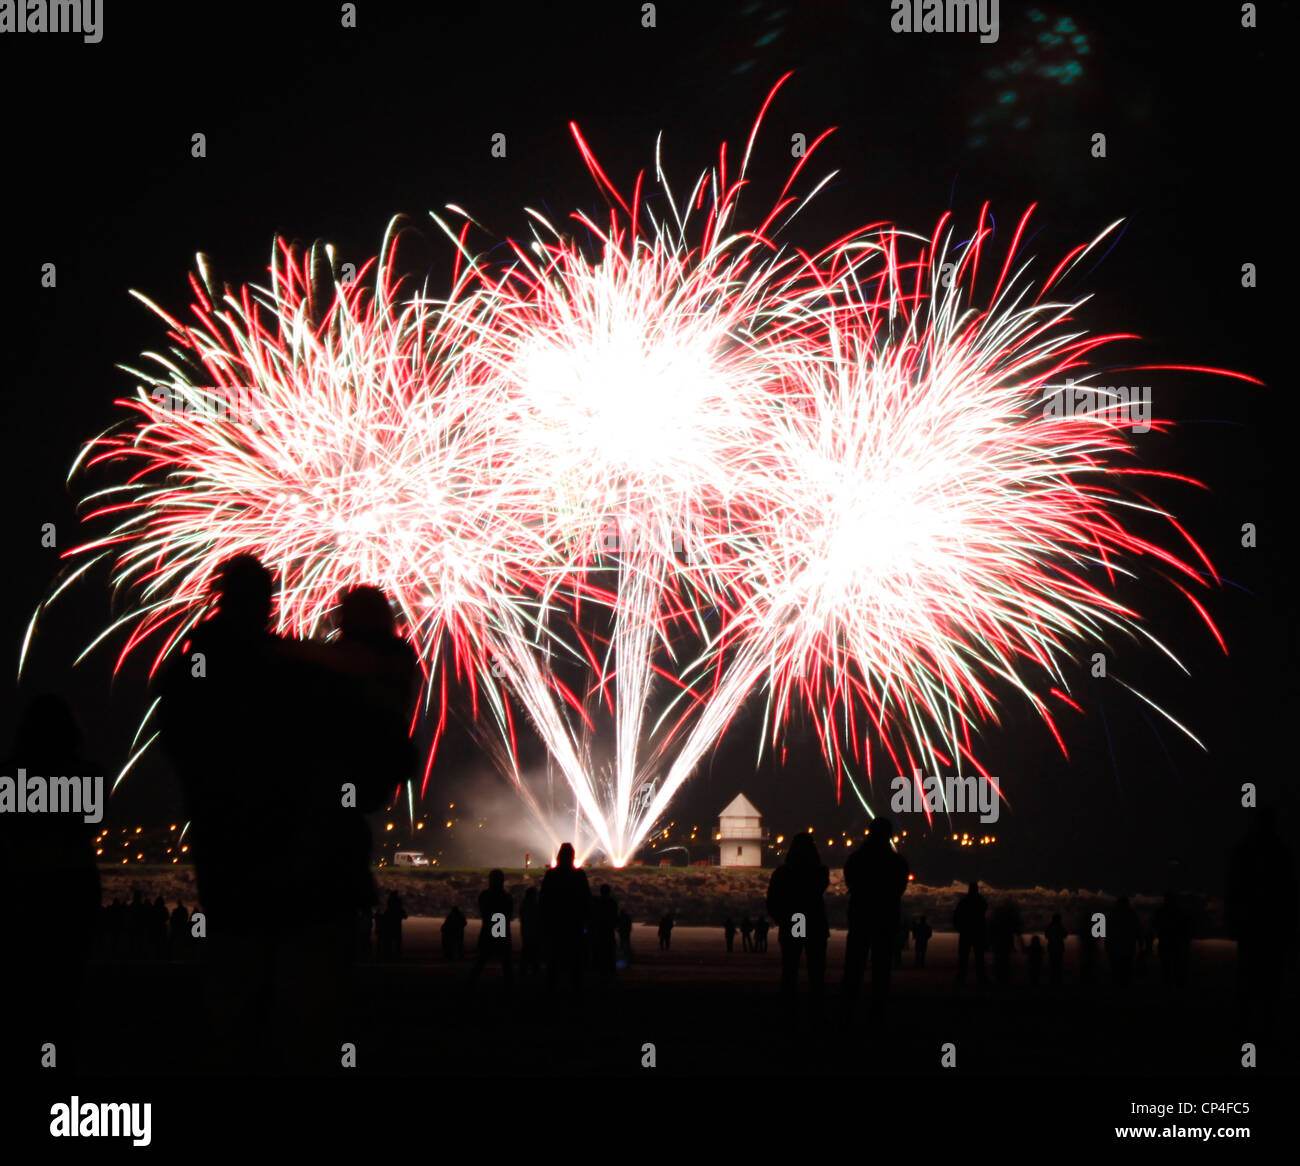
point(740, 834)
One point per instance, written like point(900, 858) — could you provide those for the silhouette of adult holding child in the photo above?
point(280, 749)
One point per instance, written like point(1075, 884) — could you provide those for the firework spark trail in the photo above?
point(926, 525)
point(836, 455)
point(334, 439)
point(629, 390)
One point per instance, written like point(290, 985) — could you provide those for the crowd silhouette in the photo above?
point(284, 746)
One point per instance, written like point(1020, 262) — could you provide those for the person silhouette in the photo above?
point(1087, 949)
point(972, 933)
point(795, 899)
point(1004, 928)
point(666, 931)
point(921, 934)
point(729, 933)
point(391, 926)
point(453, 934)
point(178, 931)
point(1173, 933)
point(530, 934)
point(369, 649)
point(876, 877)
point(761, 928)
point(137, 928)
point(1260, 906)
point(496, 908)
point(1034, 959)
point(159, 916)
point(271, 750)
point(49, 858)
point(900, 939)
point(1055, 935)
point(1122, 928)
point(116, 926)
point(746, 934)
point(378, 672)
point(566, 908)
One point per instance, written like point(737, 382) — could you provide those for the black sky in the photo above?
point(315, 131)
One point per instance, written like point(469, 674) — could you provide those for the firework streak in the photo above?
point(705, 465)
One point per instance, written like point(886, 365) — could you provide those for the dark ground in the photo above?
point(711, 1013)
point(1067, 1061)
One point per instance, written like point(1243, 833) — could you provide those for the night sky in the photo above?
point(319, 132)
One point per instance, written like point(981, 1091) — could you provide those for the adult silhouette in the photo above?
point(746, 934)
point(390, 927)
point(1122, 929)
point(1034, 958)
point(666, 925)
point(178, 931)
point(158, 919)
point(496, 907)
point(729, 933)
point(625, 936)
point(795, 899)
point(1260, 904)
point(371, 679)
point(921, 933)
point(1055, 936)
point(1172, 927)
point(876, 877)
point(1087, 948)
point(566, 910)
point(51, 885)
point(530, 934)
point(970, 921)
point(1004, 929)
point(453, 934)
